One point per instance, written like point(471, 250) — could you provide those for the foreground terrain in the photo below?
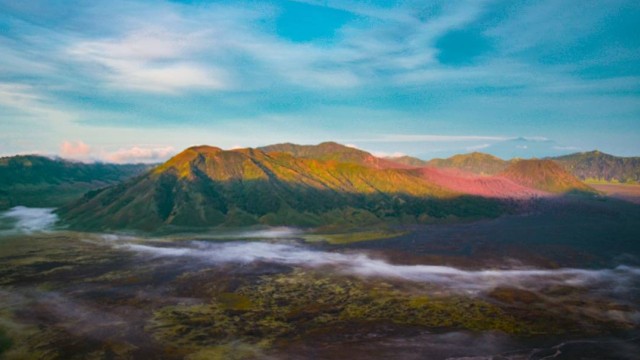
point(562, 278)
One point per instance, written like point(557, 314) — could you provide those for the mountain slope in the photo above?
point(335, 152)
point(598, 166)
point(480, 185)
point(207, 186)
point(38, 181)
point(545, 175)
point(476, 163)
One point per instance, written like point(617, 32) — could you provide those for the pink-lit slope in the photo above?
point(487, 186)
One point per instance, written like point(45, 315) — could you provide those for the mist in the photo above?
point(22, 219)
point(621, 279)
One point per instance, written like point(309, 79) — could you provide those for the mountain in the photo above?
point(207, 186)
point(545, 175)
point(408, 161)
point(586, 166)
point(332, 151)
point(39, 181)
point(598, 166)
point(475, 162)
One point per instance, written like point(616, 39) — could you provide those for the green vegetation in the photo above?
point(291, 306)
point(38, 181)
point(352, 237)
point(281, 308)
point(5, 342)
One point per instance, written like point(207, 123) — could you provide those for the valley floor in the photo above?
point(563, 279)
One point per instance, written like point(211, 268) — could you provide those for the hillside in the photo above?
point(476, 163)
point(38, 181)
point(545, 175)
point(480, 185)
point(331, 151)
point(207, 186)
point(408, 160)
point(598, 166)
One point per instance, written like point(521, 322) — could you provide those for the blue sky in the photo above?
point(140, 80)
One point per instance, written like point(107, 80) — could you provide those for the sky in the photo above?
point(138, 81)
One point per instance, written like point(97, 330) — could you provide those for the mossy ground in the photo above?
point(75, 296)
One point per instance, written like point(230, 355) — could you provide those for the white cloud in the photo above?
point(75, 150)
point(383, 154)
point(477, 147)
point(28, 100)
point(80, 151)
point(152, 60)
point(138, 154)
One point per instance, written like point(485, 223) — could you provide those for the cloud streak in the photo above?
point(138, 154)
point(619, 279)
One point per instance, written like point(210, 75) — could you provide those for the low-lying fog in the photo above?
point(621, 279)
point(22, 219)
point(278, 248)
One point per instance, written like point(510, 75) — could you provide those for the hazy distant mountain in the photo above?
point(545, 175)
point(476, 163)
point(595, 165)
point(207, 186)
point(33, 180)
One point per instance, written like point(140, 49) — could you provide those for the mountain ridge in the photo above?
point(39, 181)
point(288, 184)
point(213, 187)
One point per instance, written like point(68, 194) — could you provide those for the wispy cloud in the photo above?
point(477, 147)
point(80, 151)
point(432, 138)
point(75, 150)
point(138, 154)
point(28, 100)
point(141, 64)
point(152, 59)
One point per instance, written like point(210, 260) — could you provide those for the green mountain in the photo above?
point(38, 181)
point(475, 162)
point(332, 151)
point(598, 166)
point(545, 175)
point(207, 186)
